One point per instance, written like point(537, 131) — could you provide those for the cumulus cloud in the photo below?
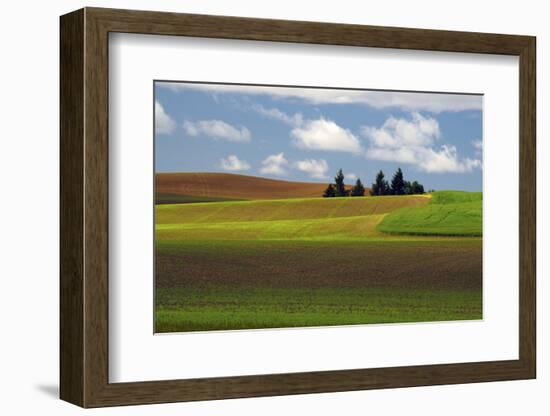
point(408, 101)
point(233, 164)
point(413, 141)
point(276, 114)
point(351, 176)
point(163, 122)
point(314, 168)
point(275, 165)
point(323, 134)
point(399, 132)
point(217, 129)
point(444, 159)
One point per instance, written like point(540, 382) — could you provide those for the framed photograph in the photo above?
point(255, 207)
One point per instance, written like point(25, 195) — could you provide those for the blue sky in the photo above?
point(306, 134)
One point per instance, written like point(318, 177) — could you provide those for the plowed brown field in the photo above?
point(231, 186)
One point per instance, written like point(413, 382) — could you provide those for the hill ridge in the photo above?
point(180, 187)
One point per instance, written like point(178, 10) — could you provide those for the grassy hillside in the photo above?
point(450, 213)
point(455, 197)
point(227, 186)
point(318, 228)
point(314, 218)
point(284, 209)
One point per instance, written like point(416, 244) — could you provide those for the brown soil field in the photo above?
point(438, 264)
point(232, 186)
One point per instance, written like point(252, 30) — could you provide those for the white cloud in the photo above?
point(427, 159)
point(233, 164)
point(415, 101)
point(351, 176)
point(314, 168)
point(399, 132)
point(320, 134)
point(408, 101)
point(323, 134)
point(276, 114)
point(217, 129)
point(163, 122)
point(274, 165)
point(412, 141)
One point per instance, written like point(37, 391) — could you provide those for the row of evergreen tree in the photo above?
point(398, 186)
point(338, 188)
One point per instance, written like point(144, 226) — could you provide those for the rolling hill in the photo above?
point(284, 209)
point(443, 213)
point(295, 218)
point(178, 188)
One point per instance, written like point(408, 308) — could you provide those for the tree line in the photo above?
point(397, 186)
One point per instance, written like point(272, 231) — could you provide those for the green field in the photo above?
point(452, 213)
point(317, 261)
point(241, 308)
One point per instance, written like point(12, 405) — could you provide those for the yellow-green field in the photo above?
point(318, 261)
point(287, 219)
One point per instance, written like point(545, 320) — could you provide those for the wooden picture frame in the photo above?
point(84, 207)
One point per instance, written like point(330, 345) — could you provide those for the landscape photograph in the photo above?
point(286, 206)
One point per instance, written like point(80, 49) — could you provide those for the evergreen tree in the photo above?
point(417, 188)
point(330, 192)
point(358, 189)
point(339, 181)
point(397, 183)
point(380, 186)
point(408, 188)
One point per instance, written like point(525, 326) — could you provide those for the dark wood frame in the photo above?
point(84, 207)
